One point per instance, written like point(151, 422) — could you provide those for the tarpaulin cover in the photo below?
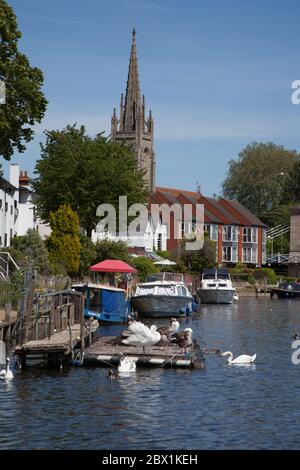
point(113, 302)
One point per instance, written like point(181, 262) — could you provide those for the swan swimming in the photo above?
point(7, 373)
point(243, 359)
point(127, 365)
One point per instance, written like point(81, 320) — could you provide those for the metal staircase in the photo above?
point(277, 231)
point(5, 261)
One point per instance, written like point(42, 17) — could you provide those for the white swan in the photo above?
point(143, 337)
point(243, 359)
point(235, 297)
point(174, 326)
point(7, 373)
point(127, 365)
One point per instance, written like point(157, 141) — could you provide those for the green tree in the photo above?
point(95, 171)
point(25, 103)
point(109, 249)
point(144, 266)
point(196, 260)
point(87, 254)
point(163, 253)
point(30, 248)
point(63, 244)
point(259, 177)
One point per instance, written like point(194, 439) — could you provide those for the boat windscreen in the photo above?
point(209, 276)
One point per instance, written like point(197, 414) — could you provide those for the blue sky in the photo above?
point(217, 75)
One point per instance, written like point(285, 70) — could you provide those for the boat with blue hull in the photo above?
point(107, 304)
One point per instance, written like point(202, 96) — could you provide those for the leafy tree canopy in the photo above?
point(30, 248)
point(25, 103)
point(63, 244)
point(144, 266)
point(196, 260)
point(83, 172)
point(109, 249)
point(260, 177)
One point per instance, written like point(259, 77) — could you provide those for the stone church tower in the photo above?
point(132, 127)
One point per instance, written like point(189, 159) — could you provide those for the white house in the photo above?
point(17, 207)
point(153, 238)
point(9, 211)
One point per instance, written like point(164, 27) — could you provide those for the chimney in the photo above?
point(24, 179)
point(14, 173)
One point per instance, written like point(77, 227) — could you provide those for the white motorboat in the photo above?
point(216, 287)
point(162, 295)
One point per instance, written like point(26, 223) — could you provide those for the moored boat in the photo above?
point(216, 287)
point(287, 290)
point(162, 295)
point(104, 303)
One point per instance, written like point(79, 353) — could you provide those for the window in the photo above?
point(250, 255)
point(230, 253)
point(159, 241)
point(6, 207)
point(211, 231)
point(226, 253)
point(187, 227)
point(179, 289)
point(230, 233)
point(249, 235)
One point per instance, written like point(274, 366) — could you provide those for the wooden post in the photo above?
point(82, 332)
point(266, 285)
point(70, 331)
point(90, 331)
point(8, 319)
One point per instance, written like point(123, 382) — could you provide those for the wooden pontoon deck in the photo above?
point(104, 354)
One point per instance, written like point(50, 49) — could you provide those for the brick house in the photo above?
point(239, 235)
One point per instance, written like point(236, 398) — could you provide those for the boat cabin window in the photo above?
point(209, 276)
point(223, 276)
point(145, 290)
point(222, 285)
point(166, 290)
point(184, 291)
point(179, 289)
point(94, 300)
point(211, 285)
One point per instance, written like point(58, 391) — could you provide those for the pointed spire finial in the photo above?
point(133, 94)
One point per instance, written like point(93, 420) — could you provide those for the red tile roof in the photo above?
point(222, 211)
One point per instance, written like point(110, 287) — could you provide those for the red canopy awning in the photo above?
point(112, 266)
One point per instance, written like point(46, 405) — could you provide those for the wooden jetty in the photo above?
point(56, 328)
point(104, 354)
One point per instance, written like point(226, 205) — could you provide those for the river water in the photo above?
point(221, 407)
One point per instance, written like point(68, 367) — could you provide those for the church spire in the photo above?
point(133, 128)
point(133, 94)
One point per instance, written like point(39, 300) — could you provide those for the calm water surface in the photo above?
point(221, 407)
